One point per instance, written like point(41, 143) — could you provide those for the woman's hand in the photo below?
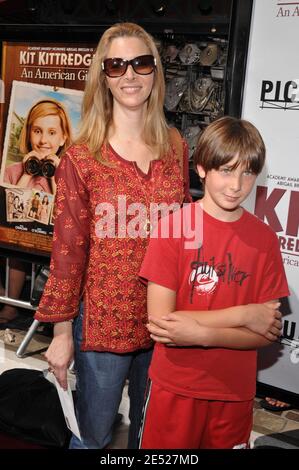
point(60, 353)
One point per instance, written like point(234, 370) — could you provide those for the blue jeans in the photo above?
point(100, 379)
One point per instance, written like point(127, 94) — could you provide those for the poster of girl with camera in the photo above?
point(39, 117)
point(40, 127)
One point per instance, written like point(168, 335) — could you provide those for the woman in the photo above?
point(123, 161)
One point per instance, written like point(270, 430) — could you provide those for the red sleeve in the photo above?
point(274, 282)
point(160, 264)
point(63, 290)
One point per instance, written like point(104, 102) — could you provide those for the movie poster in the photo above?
point(271, 102)
point(42, 89)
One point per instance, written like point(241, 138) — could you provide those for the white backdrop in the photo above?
point(271, 103)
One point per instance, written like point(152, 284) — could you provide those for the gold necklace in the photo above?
point(147, 227)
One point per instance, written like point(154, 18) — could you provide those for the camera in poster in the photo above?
point(43, 88)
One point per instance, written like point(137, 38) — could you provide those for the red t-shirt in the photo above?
point(232, 263)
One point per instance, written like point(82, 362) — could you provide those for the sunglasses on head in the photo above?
point(116, 67)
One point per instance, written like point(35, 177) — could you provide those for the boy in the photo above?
point(202, 396)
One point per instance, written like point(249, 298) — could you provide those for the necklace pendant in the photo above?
point(147, 227)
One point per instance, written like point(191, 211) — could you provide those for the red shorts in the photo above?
point(176, 422)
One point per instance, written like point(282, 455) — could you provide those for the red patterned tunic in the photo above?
point(104, 270)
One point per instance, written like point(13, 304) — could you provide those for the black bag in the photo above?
point(30, 408)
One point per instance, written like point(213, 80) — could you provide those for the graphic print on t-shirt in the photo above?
point(205, 275)
point(204, 278)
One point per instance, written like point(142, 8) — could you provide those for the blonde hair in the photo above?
point(226, 138)
point(97, 106)
point(41, 109)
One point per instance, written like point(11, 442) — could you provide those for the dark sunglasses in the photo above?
point(116, 67)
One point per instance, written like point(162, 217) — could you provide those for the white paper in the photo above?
point(67, 404)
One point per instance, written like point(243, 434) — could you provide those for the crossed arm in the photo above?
point(242, 327)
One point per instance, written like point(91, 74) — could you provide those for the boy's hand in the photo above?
point(265, 319)
point(177, 329)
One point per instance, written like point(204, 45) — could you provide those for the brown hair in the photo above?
point(226, 138)
point(41, 109)
point(97, 107)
